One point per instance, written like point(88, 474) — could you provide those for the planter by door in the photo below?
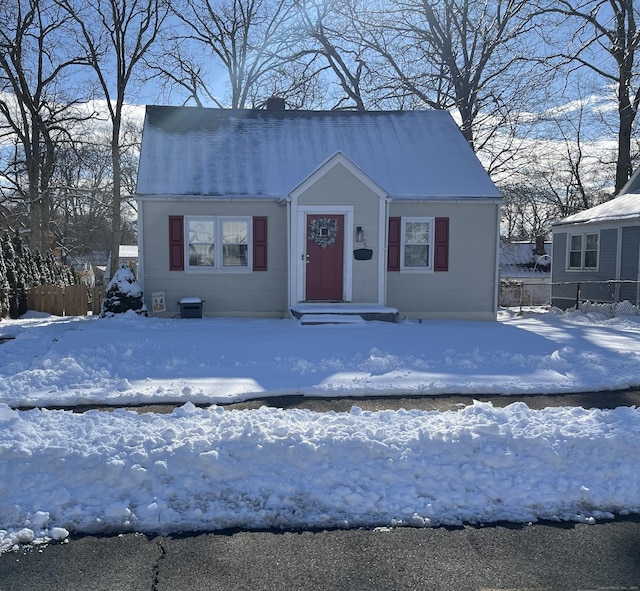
point(324, 257)
point(362, 254)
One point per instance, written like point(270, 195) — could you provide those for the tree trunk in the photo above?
point(623, 164)
point(116, 223)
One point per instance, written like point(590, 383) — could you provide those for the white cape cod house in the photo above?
point(269, 213)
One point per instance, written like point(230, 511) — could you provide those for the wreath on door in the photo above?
point(323, 231)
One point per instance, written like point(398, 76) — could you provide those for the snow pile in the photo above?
point(613, 309)
point(212, 469)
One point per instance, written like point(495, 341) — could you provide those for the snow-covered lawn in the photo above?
point(210, 468)
point(131, 359)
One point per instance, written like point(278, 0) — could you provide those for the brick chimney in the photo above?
point(276, 103)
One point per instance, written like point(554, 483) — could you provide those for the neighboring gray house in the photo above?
point(273, 212)
point(525, 273)
point(596, 252)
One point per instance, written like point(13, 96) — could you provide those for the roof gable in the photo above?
point(338, 159)
point(262, 153)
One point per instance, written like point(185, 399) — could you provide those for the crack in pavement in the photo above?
point(155, 579)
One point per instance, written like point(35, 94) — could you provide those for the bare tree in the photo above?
point(116, 35)
point(605, 42)
point(299, 81)
point(34, 108)
point(247, 39)
point(327, 25)
point(82, 215)
point(561, 176)
point(469, 56)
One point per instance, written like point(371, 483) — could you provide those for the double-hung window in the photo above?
point(202, 234)
point(218, 243)
point(417, 244)
point(235, 243)
point(583, 251)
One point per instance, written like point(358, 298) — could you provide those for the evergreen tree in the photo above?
point(12, 275)
point(123, 294)
point(41, 274)
point(22, 267)
point(35, 277)
point(20, 270)
point(54, 270)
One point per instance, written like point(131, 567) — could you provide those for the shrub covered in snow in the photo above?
point(123, 294)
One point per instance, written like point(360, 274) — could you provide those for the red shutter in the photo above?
point(441, 252)
point(259, 243)
point(176, 243)
point(393, 245)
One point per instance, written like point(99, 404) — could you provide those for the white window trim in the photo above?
point(431, 222)
point(583, 247)
point(217, 247)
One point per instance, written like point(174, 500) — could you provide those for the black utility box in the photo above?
point(191, 308)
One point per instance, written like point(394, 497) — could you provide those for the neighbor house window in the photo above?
point(417, 241)
point(217, 242)
point(583, 251)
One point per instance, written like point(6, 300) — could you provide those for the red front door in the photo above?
point(324, 257)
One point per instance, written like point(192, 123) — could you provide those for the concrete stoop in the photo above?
point(342, 313)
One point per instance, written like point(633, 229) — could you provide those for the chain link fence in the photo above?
point(514, 293)
point(612, 297)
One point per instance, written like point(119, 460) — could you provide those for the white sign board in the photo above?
point(158, 302)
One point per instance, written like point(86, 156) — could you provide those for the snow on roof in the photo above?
point(128, 251)
point(264, 153)
point(519, 259)
point(624, 207)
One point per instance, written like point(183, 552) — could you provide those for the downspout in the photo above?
point(618, 285)
point(140, 222)
point(638, 281)
point(289, 257)
point(496, 279)
point(383, 274)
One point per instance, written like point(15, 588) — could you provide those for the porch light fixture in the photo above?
point(359, 234)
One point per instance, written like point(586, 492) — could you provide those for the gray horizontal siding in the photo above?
point(224, 293)
point(468, 288)
point(601, 285)
point(630, 263)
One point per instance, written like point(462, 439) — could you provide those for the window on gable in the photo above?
point(583, 251)
point(216, 243)
point(417, 241)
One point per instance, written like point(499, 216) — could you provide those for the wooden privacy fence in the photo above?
point(72, 300)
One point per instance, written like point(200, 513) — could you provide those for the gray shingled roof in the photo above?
point(261, 153)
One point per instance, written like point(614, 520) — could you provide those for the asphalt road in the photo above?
point(543, 556)
point(505, 557)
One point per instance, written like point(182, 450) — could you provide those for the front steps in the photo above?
point(342, 313)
